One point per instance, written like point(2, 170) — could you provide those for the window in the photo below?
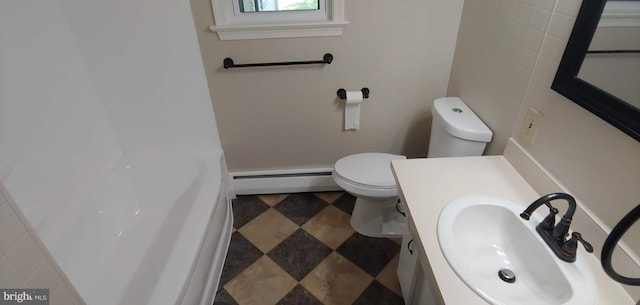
point(277, 5)
point(255, 19)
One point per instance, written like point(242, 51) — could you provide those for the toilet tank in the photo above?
point(455, 130)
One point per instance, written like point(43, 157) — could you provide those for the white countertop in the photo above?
point(427, 185)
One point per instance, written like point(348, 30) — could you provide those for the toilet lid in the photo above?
point(371, 169)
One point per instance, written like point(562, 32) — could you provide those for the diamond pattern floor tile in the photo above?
point(370, 254)
point(246, 208)
point(298, 232)
point(331, 226)
point(300, 207)
point(329, 197)
point(299, 254)
point(336, 281)
point(345, 203)
point(263, 283)
point(224, 298)
point(377, 293)
point(389, 276)
point(262, 232)
point(243, 252)
point(299, 296)
point(272, 199)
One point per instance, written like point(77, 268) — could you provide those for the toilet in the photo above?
point(455, 132)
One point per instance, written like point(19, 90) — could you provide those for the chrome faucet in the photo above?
point(555, 235)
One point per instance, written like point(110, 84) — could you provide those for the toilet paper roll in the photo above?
point(352, 110)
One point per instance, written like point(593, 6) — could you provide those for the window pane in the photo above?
point(298, 5)
point(278, 5)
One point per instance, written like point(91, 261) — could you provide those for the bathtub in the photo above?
point(154, 231)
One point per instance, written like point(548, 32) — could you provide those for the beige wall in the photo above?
point(24, 262)
point(290, 117)
point(506, 58)
point(497, 48)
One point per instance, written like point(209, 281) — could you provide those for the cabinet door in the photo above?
point(407, 267)
point(423, 291)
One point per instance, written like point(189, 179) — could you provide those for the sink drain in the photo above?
point(507, 275)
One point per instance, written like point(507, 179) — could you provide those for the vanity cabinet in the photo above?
point(423, 289)
point(407, 266)
point(416, 288)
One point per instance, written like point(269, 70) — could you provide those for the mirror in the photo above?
point(277, 5)
point(600, 68)
point(612, 62)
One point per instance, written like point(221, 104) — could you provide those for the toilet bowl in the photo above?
point(368, 177)
point(455, 132)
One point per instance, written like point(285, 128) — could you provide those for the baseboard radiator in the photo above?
point(283, 181)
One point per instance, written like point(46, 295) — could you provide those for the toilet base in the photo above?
point(378, 218)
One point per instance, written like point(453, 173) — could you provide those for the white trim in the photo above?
point(316, 29)
point(229, 27)
point(283, 181)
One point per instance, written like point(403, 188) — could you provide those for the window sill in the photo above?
point(288, 30)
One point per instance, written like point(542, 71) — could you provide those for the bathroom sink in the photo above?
point(502, 258)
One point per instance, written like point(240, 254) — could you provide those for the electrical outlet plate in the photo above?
point(532, 121)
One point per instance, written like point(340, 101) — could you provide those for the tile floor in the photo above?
point(300, 249)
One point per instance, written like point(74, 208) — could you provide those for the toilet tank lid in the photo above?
point(460, 121)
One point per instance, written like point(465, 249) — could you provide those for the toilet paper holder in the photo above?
point(342, 94)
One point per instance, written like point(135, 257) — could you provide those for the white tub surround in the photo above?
point(154, 231)
point(427, 185)
point(111, 147)
point(137, 238)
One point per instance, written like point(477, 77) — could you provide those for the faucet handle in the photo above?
point(571, 245)
point(549, 221)
point(586, 244)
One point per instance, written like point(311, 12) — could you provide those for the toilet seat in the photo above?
point(367, 174)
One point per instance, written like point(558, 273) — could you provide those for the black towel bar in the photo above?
point(326, 59)
point(342, 94)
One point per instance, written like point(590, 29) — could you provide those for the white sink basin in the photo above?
point(480, 235)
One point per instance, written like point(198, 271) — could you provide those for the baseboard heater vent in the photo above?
point(283, 175)
point(283, 181)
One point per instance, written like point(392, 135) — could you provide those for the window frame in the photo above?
point(230, 24)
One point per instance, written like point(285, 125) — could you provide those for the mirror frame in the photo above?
point(566, 82)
